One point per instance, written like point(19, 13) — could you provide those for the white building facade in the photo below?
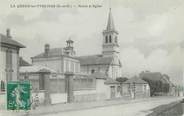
point(9, 56)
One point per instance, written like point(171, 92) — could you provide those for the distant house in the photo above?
point(9, 54)
point(135, 87)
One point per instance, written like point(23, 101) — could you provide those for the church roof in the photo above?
point(95, 60)
point(98, 75)
point(98, 60)
point(6, 40)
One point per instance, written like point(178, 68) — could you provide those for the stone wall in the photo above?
point(85, 95)
point(141, 91)
point(57, 85)
point(84, 83)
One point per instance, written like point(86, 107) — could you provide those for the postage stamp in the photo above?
point(18, 95)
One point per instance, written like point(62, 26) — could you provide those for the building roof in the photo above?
point(111, 81)
point(98, 75)
point(96, 60)
point(9, 41)
point(51, 52)
point(22, 62)
point(135, 80)
point(35, 69)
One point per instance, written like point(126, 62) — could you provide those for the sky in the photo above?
point(150, 31)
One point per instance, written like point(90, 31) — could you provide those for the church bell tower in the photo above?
point(110, 39)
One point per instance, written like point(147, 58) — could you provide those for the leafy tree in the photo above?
point(157, 85)
point(121, 79)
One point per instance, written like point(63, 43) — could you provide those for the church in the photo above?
point(108, 62)
point(64, 60)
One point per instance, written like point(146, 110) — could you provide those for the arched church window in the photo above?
point(110, 39)
point(106, 39)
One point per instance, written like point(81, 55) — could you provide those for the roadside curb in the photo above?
point(87, 105)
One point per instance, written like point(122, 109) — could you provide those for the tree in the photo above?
point(158, 84)
point(121, 79)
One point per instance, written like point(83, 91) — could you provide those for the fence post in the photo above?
point(47, 91)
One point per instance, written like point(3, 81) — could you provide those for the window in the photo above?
point(67, 65)
point(110, 39)
point(72, 66)
point(106, 39)
point(2, 85)
point(116, 40)
point(77, 67)
point(92, 71)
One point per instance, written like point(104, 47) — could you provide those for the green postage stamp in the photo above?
point(18, 95)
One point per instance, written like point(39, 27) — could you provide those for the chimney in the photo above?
point(8, 33)
point(47, 48)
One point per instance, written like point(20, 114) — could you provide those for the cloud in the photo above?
point(143, 8)
point(14, 19)
point(159, 60)
point(133, 61)
point(54, 15)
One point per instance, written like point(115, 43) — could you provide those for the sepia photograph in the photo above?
point(91, 58)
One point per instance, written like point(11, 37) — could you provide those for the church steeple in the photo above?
point(110, 23)
point(110, 38)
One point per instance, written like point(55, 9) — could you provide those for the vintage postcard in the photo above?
point(91, 57)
